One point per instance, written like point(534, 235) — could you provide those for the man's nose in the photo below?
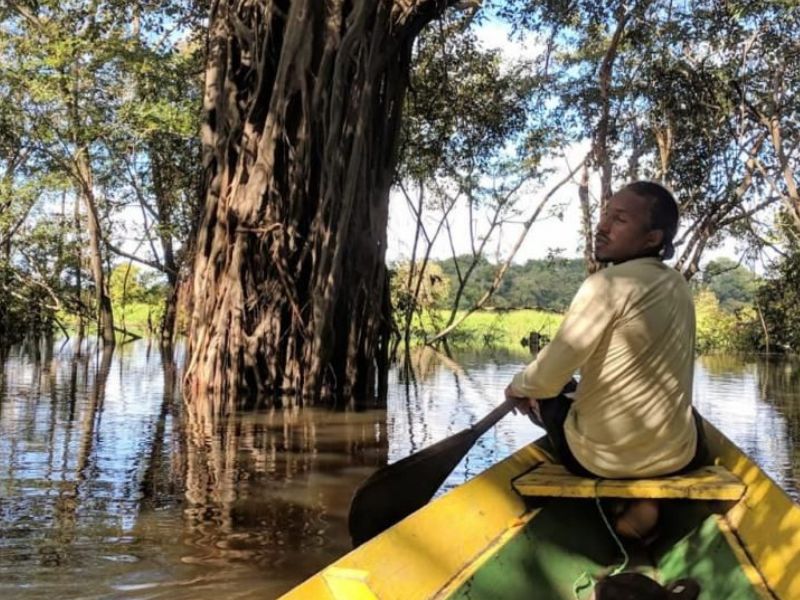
point(602, 225)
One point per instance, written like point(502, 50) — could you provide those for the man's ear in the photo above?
point(655, 238)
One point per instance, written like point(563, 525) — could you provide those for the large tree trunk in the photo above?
point(302, 112)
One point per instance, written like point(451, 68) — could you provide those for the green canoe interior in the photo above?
point(568, 541)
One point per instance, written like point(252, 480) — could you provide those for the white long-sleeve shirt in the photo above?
point(630, 331)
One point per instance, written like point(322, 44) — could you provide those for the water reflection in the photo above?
point(436, 396)
point(756, 403)
point(111, 486)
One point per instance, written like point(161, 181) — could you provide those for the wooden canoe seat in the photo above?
point(706, 483)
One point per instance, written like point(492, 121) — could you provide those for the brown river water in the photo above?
point(111, 487)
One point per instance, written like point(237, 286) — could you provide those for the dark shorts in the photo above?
point(554, 413)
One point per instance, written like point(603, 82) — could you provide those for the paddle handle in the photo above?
point(498, 412)
point(395, 491)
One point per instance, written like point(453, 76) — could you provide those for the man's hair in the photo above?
point(663, 212)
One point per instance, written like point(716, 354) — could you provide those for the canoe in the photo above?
point(738, 538)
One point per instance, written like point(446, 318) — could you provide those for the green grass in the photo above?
point(485, 329)
point(133, 316)
point(490, 328)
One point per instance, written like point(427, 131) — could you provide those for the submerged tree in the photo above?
point(302, 111)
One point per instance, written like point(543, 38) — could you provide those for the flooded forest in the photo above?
point(252, 252)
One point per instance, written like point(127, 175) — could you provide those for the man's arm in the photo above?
point(590, 315)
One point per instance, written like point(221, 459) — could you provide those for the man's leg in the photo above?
point(637, 519)
point(550, 414)
point(634, 519)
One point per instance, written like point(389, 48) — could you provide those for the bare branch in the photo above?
point(498, 278)
point(150, 263)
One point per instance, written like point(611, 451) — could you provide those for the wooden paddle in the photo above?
point(395, 491)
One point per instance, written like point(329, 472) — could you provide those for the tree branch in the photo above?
point(150, 263)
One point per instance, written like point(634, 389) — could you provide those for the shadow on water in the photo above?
point(111, 486)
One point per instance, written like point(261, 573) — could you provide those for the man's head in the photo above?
point(640, 220)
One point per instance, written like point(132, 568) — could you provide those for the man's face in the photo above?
point(623, 232)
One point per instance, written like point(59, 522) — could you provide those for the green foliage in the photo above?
point(719, 330)
point(733, 285)
point(434, 287)
point(139, 317)
point(33, 258)
point(28, 307)
point(544, 284)
point(550, 286)
point(547, 284)
point(117, 83)
point(473, 141)
point(779, 300)
point(529, 300)
point(138, 296)
point(693, 88)
point(129, 284)
point(696, 93)
point(465, 108)
point(493, 328)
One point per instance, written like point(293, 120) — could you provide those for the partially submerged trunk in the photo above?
point(302, 113)
point(105, 315)
point(5, 285)
point(78, 274)
point(162, 171)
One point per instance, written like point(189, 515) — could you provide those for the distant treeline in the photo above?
point(737, 310)
point(550, 284)
point(547, 284)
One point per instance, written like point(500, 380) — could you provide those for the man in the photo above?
point(630, 331)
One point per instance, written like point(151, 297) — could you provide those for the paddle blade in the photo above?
point(394, 492)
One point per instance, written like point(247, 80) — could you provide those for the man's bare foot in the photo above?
point(638, 519)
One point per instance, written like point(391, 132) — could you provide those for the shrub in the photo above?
point(719, 330)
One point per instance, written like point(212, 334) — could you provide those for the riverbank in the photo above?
point(490, 329)
point(718, 330)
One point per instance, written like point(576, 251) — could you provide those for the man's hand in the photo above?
point(525, 406)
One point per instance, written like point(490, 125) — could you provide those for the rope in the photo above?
point(578, 585)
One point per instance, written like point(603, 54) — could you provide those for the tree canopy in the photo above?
point(107, 158)
point(733, 284)
point(97, 134)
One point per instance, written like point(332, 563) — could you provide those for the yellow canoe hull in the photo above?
point(433, 552)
